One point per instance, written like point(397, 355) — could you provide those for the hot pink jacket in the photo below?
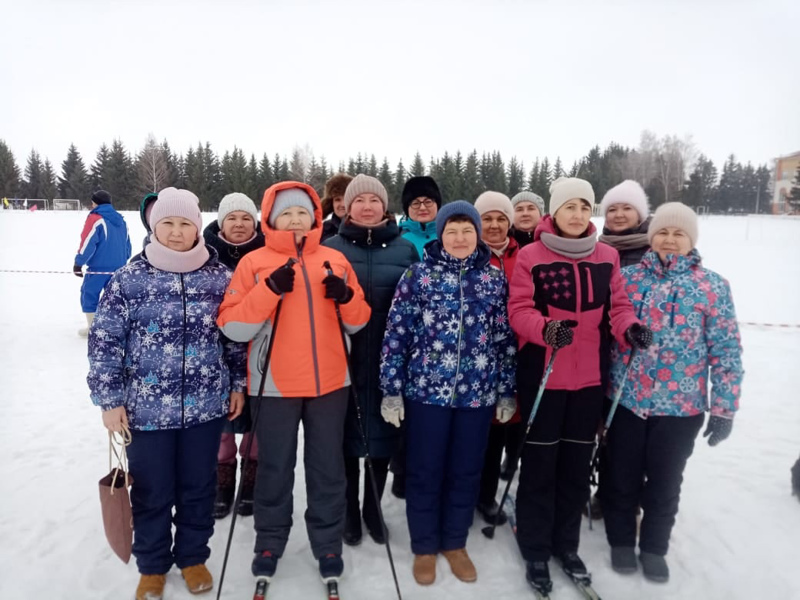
point(547, 286)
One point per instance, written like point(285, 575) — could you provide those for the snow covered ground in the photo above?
point(736, 537)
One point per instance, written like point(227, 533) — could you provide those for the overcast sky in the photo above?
point(525, 78)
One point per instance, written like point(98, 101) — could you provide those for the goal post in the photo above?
point(66, 204)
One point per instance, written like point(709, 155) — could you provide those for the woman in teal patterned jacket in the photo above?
point(695, 339)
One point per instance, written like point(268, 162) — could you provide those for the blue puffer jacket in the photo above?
point(155, 347)
point(448, 341)
point(695, 335)
point(418, 234)
point(105, 245)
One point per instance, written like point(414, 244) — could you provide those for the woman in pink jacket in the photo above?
point(566, 294)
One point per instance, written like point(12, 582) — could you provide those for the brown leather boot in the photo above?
point(151, 587)
point(198, 579)
point(461, 565)
point(425, 568)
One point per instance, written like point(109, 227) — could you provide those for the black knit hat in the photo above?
point(101, 197)
point(421, 186)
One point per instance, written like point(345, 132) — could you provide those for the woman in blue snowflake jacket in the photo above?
point(159, 365)
point(449, 353)
point(664, 399)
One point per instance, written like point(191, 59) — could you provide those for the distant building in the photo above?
point(785, 172)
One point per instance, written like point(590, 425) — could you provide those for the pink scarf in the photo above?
point(173, 261)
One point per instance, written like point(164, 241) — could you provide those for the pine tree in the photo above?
point(545, 178)
point(251, 185)
point(395, 199)
point(266, 176)
point(533, 178)
point(449, 179)
point(729, 193)
point(119, 177)
point(763, 178)
point(417, 167)
point(9, 172)
point(700, 189)
point(516, 177)
point(49, 184)
point(386, 177)
point(558, 169)
point(99, 168)
point(74, 180)
point(471, 185)
point(33, 186)
point(372, 166)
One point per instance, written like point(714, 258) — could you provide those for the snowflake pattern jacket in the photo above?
point(448, 341)
point(690, 310)
point(155, 347)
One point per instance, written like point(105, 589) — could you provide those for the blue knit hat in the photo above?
point(454, 209)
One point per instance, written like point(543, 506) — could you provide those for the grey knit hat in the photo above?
point(673, 214)
point(286, 199)
point(233, 202)
point(529, 197)
point(364, 184)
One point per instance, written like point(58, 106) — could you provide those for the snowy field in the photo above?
point(736, 537)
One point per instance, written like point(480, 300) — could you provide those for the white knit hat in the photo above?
point(173, 202)
point(564, 189)
point(627, 192)
point(669, 214)
point(233, 202)
point(489, 201)
point(534, 199)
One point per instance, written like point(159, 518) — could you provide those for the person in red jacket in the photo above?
point(497, 215)
point(307, 379)
point(565, 291)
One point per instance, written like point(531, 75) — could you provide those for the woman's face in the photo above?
point(176, 233)
point(526, 216)
point(367, 209)
point(621, 217)
point(671, 240)
point(338, 207)
point(422, 210)
point(573, 218)
point(238, 227)
point(494, 227)
point(296, 219)
point(459, 239)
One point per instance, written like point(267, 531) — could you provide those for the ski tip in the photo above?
point(333, 587)
point(262, 585)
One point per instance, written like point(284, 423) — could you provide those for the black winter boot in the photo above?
point(489, 513)
point(226, 490)
point(245, 507)
point(538, 575)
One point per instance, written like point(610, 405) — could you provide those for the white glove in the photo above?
point(392, 410)
point(505, 409)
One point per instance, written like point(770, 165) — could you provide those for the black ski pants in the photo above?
point(646, 459)
point(554, 475)
point(370, 508)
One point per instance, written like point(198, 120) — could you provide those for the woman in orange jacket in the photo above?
point(307, 379)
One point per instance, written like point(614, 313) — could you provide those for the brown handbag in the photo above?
point(115, 502)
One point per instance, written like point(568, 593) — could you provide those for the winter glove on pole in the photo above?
point(639, 336)
point(336, 289)
point(719, 428)
point(505, 409)
point(78, 270)
point(392, 410)
point(281, 281)
point(558, 334)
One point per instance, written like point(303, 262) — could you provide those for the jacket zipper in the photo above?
point(460, 329)
point(183, 364)
point(310, 315)
point(589, 285)
point(368, 293)
point(578, 293)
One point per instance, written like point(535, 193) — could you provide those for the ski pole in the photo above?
point(249, 444)
point(488, 531)
point(601, 441)
point(362, 432)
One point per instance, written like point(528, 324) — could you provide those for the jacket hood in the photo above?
point(146, 201)
point(110, 214)
point(283, 241)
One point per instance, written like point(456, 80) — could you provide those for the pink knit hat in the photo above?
point(173, 202)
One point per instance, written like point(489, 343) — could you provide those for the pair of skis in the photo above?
point(262, 587)
point(582, 582)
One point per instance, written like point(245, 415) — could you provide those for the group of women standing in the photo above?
point(452, 317)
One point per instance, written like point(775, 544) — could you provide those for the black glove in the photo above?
point(281, 281)
point(639, 336)
point(558, 334)
point(78, 270)
point(719, 428)
point(336, 289)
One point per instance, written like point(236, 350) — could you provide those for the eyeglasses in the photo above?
point(417, 204)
